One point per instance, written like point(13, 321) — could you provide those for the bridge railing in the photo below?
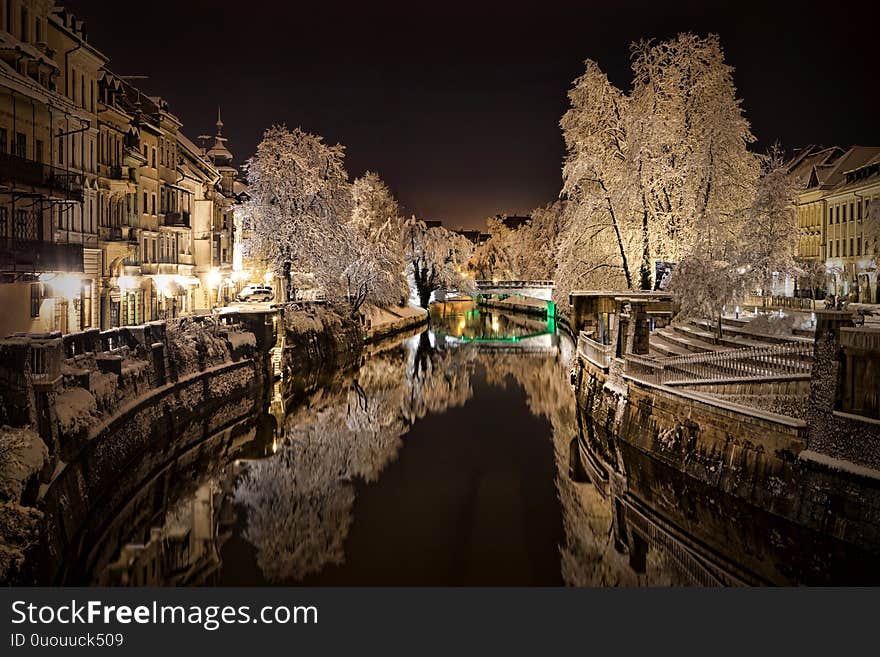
point(513, 284)
point(773, 361)
point(598, 354)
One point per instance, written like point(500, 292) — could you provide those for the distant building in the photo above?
point(475, 236)
point(433, 223)
point(513, 221)
point(832, 209)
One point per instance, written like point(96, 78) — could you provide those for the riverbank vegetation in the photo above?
point(662, 173)
point(304, 214)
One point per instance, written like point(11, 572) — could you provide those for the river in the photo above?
point(443, 459)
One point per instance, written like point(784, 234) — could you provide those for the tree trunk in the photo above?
point(623, 259)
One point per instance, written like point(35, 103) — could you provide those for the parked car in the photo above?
point(256, 292)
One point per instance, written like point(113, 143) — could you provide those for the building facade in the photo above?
point(109, 215)
point(49, 252)
point(834, 223)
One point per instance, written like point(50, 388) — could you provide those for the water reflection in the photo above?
point(454, 456)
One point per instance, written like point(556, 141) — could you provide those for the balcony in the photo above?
point(177, 219)
point(38, 256)
point(22, 172)
point(115, 172)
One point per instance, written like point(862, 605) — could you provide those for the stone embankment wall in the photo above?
point(108, 402)
point(817, 468)
point(317, 343)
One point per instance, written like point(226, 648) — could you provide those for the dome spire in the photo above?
point(219, 123)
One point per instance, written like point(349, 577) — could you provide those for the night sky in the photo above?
point(457, 105)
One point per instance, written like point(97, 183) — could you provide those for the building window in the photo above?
point(145, 203)
point(852, 214)
point(38, 150)
point(837, 214)
point(4, 137)
point(20, 144)
point(24, 228)
point(36, 299)
point(844, 248)
point(859, 245)
point(4, 222)
point(60, 146)
point(85, 306)
point(154, 159)
point(24, 24)
point(851, 252)
point(153, 203)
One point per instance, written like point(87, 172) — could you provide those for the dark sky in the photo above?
point(456, 104)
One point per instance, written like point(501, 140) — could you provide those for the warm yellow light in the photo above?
point(268, 277)
point(127, 283)
point(214, 277)
point(163, 285)
point(64, 285)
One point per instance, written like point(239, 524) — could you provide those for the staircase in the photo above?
point(698, 337)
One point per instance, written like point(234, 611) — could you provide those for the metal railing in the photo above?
point(794, 303)
point(598, 354)
point(513, 283)
point(862, 338)
point(45, 361)
point(24, 171)
point(783, 360)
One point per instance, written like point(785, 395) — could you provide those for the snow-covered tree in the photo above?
point(304, 215)
point(375, 219)
point(812, 274)
point(300, 197)
point(648, 173)
point(495, 258)
point(593, 177)
point(769, 234)
point(437, 259)
point(688, 158)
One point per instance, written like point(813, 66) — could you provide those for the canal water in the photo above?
point(448, 457)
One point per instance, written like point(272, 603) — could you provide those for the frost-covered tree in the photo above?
point(769, 234)
point(593, 178)
point(300, 197)
point(375, 219)
point(688, 158)
point(437, 259)
point(495, 258)
point(812, 275)
point(304, 215)
point(527, 252)
point(648, 173)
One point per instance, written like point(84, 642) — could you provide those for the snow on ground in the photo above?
point(379, 316)
point(238, 339)
point(76, 409)
point(22, 454)
point(839, 464)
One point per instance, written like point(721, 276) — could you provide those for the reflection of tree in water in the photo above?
point(588, 555)
point(299, 501)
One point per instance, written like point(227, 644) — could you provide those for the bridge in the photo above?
point(535, 289)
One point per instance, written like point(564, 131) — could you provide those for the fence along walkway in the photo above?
point(773, 361)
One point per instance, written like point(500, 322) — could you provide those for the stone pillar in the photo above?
point(639, 321)
point(825, 377)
